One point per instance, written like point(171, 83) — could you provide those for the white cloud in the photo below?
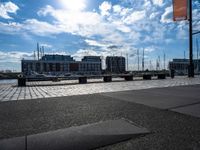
point(158, 2)
point(12, 60)
point(114, 25)
point(46, 45)
point(182, 34)
point(105, 8)
point(14, 56)
point(10, 28)
point(167, 16)
point(168, 41)
point(150, 49)
point(196, 21)
point(73, 5)
point(80, 23)
point(135, 37)
point(40, 28)
point(45, 11)
point(95, 43)
point(135, 16)
point(70, 18)
point(117, 8)
point(81, 52)
point(154, 15)
point(129, 26)
point(121, 27)
point(6, 8)
point(30, 26)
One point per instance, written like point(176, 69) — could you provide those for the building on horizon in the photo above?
point(115, 64)
point(62, 64)
point(181, 66)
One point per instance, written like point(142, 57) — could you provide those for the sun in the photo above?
point(73, 5)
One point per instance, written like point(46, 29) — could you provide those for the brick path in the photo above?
point(47, 89)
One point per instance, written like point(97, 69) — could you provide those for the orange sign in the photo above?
point(180, 10)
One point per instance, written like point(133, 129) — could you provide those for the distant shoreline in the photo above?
point(4, 76)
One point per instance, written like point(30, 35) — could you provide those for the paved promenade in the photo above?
point(170, 114)
point(46, 89)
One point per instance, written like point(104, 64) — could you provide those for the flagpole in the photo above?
point(191, 65)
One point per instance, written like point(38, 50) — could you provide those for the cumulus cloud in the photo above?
point(95, 43)
point(167, 16)
point(154, 15)
point(10, 28)
point(196, 16)
point(134, 17)
point(113, 24)
point(14, 56)
point(105, 8)
point(117, 8)
point(45, 10)
point(126, 26)
point(78, 55)
point(182, 34)
point(40, 28)
point(46, 45)
point(158, 2)
point(6, 8)
point(122, 26)
point(150, 49)
point(30, 26)
point(81, 23)
point(73, 5)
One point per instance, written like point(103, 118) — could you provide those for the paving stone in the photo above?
point(68, 88)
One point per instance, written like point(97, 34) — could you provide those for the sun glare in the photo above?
point(73, 5)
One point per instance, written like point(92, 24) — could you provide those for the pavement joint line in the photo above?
point(29, 92)
point(19, 88)
point(39, 92)
point(2, 92)
point(15, 89)
point(6, 94)
point(181, 106)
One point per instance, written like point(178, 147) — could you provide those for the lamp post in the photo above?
point(181, 12)
point(191, 64)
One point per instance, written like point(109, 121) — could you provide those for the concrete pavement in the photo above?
point(156, 109)
point(183, 99)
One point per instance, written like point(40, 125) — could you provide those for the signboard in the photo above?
point(180, 8)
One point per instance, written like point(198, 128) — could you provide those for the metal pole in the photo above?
point(127, 60)
point(191, 65)
point(143, 60)
point(197, 44)
point(197, 55)
point(138, 59)
point(164, 60)
point(38, 51)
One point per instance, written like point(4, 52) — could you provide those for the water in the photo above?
point(8, 81)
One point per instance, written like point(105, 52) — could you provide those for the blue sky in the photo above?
point(88, 27)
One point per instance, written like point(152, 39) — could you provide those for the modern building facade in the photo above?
point(61, 64)
point(181, 66)
point(115, 64)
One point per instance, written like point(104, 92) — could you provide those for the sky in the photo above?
point(87, 27)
